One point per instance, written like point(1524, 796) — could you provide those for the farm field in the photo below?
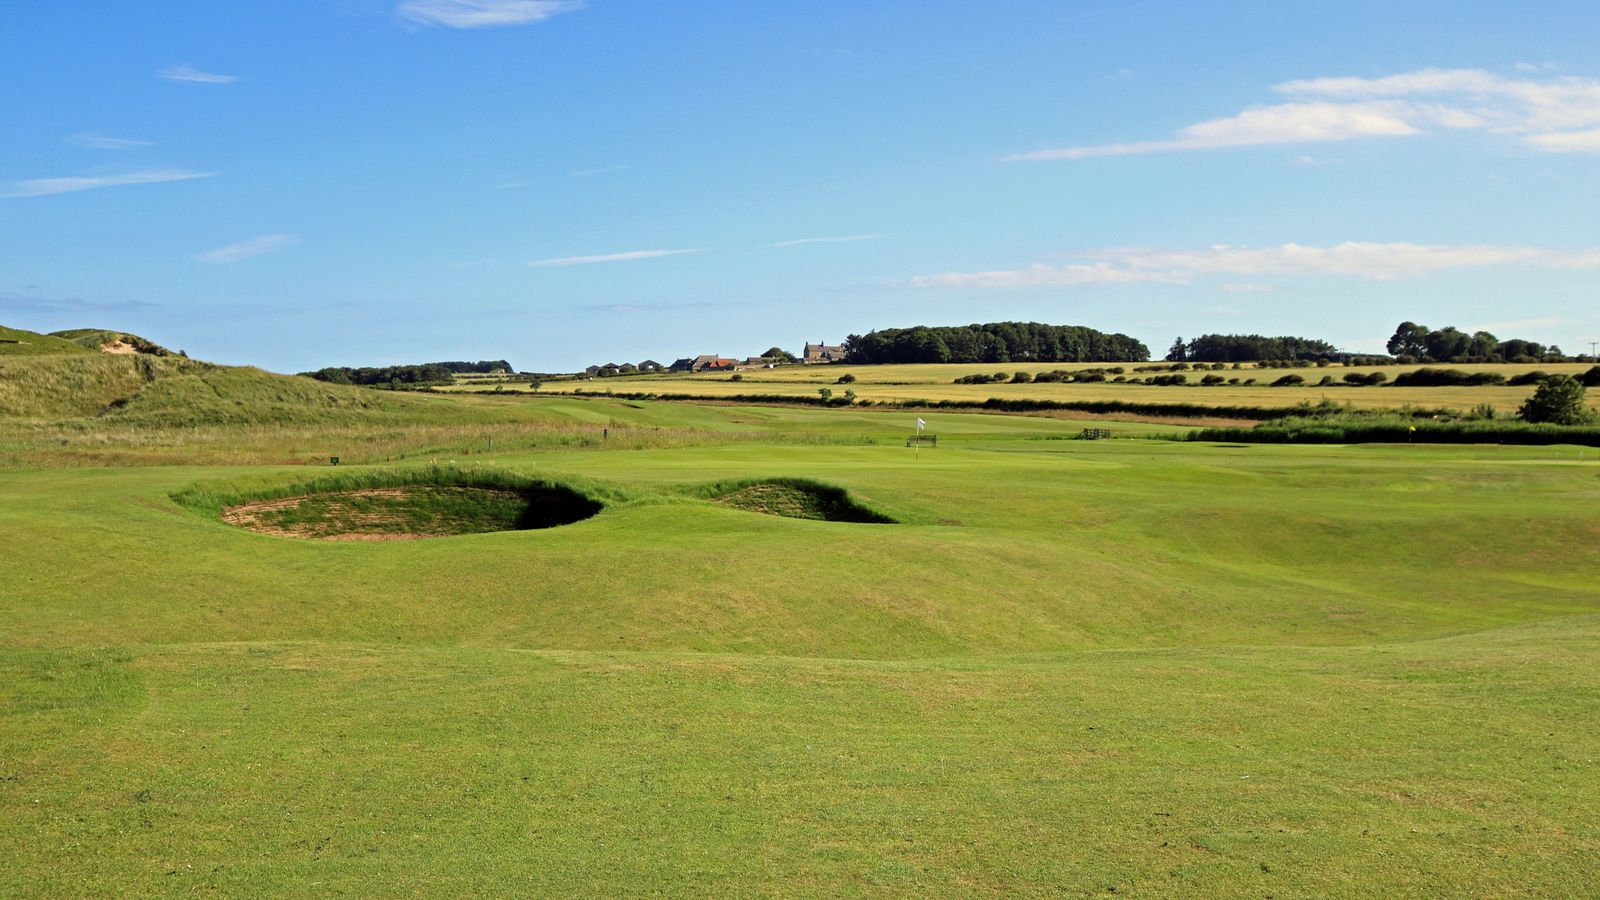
point(1072, 667)
point(934, 383)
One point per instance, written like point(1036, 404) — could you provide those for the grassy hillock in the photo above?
point(103, 338)
point(17, 342)
point(167, 391)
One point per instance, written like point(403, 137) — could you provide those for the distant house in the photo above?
point(650, 365)
point(710, 362)
point(823, 353)
point(683, 365)
point(592, 371)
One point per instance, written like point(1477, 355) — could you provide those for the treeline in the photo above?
point(420, 373)
point(426, 373)
point(1248, 348)
point(1419, 343)
point(481, 367)
point(995, 342)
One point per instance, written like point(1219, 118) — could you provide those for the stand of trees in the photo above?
point(427, 373)
point(482, 366)
point(422, 373)
point(1412, 342)
point(995, 342)
point(1248, 348)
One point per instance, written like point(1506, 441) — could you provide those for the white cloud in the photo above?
point(1042, 275)
point(1367, 260)
point(1556, 115)
point(830, 240)
point(1567, 141)
point(1249, 288)
point(243, 250)
point(38, 187)
point(585, 173)
point(100, 142)
point(1287, 123)
point(190, 75)
point(483, 13)
point(610, 257)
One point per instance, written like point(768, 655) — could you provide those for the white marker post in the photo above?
point(916, 445)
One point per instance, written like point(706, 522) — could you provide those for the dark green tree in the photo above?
point(1410, 339)
point(1558, 400)
point(1483, 344)
point(1448, 343)
point(1179, 351)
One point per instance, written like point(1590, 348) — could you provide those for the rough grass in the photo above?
point(1360, 429)
point(385, 513)
point(424, 501)
point(20, 343)
point(794, 498)
point(97, 338)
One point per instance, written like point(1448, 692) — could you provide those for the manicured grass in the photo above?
point(1164, 668)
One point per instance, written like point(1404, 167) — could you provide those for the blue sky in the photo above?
point(360, 182)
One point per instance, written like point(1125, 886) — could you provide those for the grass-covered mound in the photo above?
point(109, 341)
point(17, 342)
point(148, 390)
point(794, 498)
point(397, 505)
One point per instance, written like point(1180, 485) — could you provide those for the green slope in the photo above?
point(147, 390)
point(17, 342)
point(96, 338)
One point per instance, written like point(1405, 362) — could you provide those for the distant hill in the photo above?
point(16, 342)
point(109, 341)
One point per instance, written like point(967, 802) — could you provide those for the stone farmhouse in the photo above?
point(823, 353)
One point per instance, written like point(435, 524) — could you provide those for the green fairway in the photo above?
point(1146, 666)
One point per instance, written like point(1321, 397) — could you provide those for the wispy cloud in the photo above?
point(243, 250)
point(1287, 123)
point(13, 301)
point(483, 13)
point(610, 257)
point(650, 307)
point(190, 75)
point(1366, 260)
point(1558, 115)
point(512, 185)
point(1516, 325)
point(585, 173)
point(100, 142)
point(38, 187)
point(830, 240)
point(1249, 287)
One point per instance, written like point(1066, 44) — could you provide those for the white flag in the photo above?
point(921, 424)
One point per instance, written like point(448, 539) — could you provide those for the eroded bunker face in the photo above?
point(798, 499)
point(412, 511)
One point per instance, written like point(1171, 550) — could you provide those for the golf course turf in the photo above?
point(1140, 666)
